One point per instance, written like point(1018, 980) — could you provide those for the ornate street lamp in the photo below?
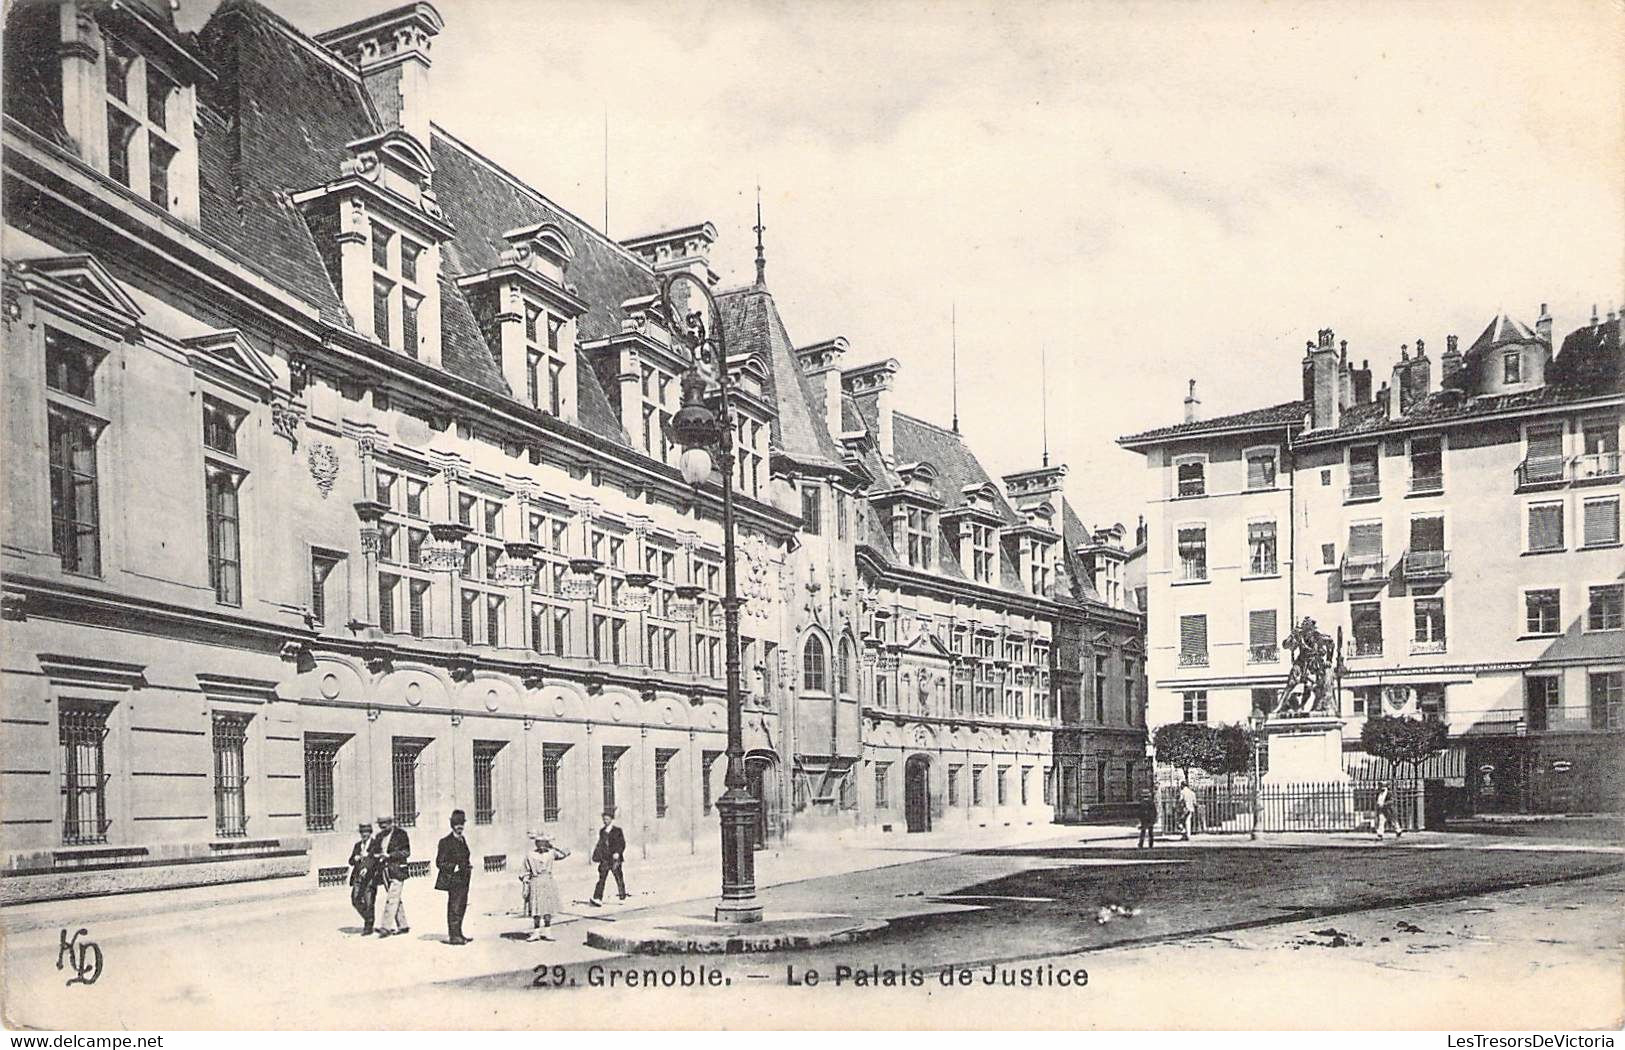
point(700, 429)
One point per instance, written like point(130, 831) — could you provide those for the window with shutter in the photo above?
point(1546, 526)
point(1366, 623)
point(1364, 481)
point(1543, 460)
point(1261, 470)
point(1427, 534)
point(1193, 641)
point(1261, 636)
point(1261, 560)
point(1193, 552)
point(1602, 522)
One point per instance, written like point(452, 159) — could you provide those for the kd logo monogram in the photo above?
point(84, 957)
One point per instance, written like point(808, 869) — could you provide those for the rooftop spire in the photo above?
point(1043, 394)
point(761, 256)
point(953, 343)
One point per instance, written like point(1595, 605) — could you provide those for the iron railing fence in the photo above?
point(1227, 808)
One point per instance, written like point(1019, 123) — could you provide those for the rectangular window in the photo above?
point(75, 496)
point(1601, 522)
point(882, 797)
point(470, 608)
point(381, 290)
point(1262, 637)
point(1599, 439)
point(708, 759)
point(1192, 478)
point(1193, 552)
point(1427, 464)
point(225, 558)
point(410, 305)
point(1364, 473)
point(552, 762)
point(1430, 702)
point(120, 134)
point(321, 758)
point(70, 366)
point(1261, 469)
point(1543, 701)
point(1026, 775)
point(322, 567)
point(1001, 786)
point(1328, 554)
point(1605, 693)
point(1195, 705)
point(1049, 786)
point(403, 768)
point(417, 608)
point(160, 158)
point(1426, 555)
point(610, 760)
point(811, 511)
point(1366, 626)
point(1367, 701)
point(1100, 688)
point(663, 757)
point(1261, 560)
point(1512, 367)
point(953, 784)
point(230, 779)
point(1193, 641)
point(493, 619)
point(1606, 609)
point(485, 762)
point(1543, 454)
point(82, 736)
point(976, 784)
point(1546, 526)
point(386, 602)
point(1542, 612)
point(1429, 617)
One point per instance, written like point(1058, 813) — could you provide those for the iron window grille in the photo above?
point(485, 759)
point(230, 777)
point(404, 756)
point(321, 758)
point(663, 757)
point(881, 799)
point(82, 735)
point(552, 760)
point(707, 760)
point(611, 760)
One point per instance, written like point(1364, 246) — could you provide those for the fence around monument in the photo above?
point(1350, 805)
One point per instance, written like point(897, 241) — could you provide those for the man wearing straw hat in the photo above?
point(536, 877)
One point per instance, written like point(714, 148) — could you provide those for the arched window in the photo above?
point(814, 666)
point(843, 667)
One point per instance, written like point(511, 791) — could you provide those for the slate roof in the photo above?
point(1501, 330)
point(278, 120)
point(1074, 534)
point(1283, 414)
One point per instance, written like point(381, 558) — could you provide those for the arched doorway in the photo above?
point(917, 793)
point(762, 780)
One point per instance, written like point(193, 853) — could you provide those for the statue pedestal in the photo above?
point(1305, 750)
point(1306, 788)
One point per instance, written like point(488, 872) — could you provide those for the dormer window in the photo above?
point(1512, 367)
point(912, 530)
point(396, 295)
point(544, 361)
point(1041, 567)
point(144, 136)
point(982, 557)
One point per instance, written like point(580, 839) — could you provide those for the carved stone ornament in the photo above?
point(323, 460)
point(442, 555)
point(286, 419)
point(757, 579)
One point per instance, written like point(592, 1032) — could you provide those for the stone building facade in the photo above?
point(1457, 531)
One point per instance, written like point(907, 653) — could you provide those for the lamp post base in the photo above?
point(737, 811)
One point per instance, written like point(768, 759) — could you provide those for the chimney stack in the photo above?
point(686, 248)
point(1361, 382)
point(821, 363)
point(1450, 364)
point(392, 52)
point(1193, 404)
point(1321, 380)
point(1419, 379)
point(1543, 326)
point(876, 380)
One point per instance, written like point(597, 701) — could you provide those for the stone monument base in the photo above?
point(1306, 788)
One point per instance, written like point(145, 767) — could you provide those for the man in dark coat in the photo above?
point(455, 866)
point(363, 887)
point(1147, 811)
point(608, 854)
point(389, 851)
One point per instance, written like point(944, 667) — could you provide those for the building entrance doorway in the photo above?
point(761, 779)
point(917, 793)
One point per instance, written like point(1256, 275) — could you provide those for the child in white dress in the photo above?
point(541, 891)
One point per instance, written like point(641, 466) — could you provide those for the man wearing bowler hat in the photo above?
point(608, 855)
point(363, 885)
point(455, 866)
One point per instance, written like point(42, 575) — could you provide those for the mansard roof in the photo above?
point(282, 117)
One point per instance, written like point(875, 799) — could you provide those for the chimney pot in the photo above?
point(1420, 352)
point(1450, 344)
point(1193, 404)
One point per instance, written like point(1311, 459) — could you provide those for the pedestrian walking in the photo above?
point(1187, 809)
point(1148, 820)
point(541, 891)
point(389, 851)
point(609, 854)
point(1385, 813)
point(454, 867)
point(363, 886)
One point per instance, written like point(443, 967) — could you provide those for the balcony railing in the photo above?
point(1362, 490)
point(1363, 568)
point(1424, 483)
point(1263, 654)
point(1425, 564)
point(1365, 647)
point(1193, 659)
point(1424, 646)
point(1593, 465)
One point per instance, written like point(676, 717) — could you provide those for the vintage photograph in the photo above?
point(826, 515)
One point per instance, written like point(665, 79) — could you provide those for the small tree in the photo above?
point(1232, 752)
point(1404, 742)
point(1186, 745)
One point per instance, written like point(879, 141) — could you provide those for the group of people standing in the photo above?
point(379, 859)
point(1187, 811)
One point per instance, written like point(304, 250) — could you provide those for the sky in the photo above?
point(1142, 193)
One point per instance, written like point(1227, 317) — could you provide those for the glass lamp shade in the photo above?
point(695, 464)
